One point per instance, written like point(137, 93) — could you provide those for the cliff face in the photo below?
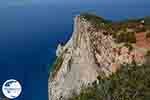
point(78, 66)
point(85, 56)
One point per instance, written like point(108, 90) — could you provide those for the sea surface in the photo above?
point(30, 33)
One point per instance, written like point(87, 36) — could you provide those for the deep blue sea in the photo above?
point(30, 33)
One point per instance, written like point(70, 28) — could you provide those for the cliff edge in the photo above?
point(88, 54)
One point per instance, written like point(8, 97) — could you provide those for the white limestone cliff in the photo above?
point(85, 56)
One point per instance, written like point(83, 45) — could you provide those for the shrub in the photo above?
point(140, 30)
point(128, 45)
point(148, 53)
point(124, 36)
point(96, 20)
point(148, 35)
point(147, 20)
point(147, 56)
point(131, 37)
point(130, 83)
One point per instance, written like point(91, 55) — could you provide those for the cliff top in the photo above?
point(97, 47)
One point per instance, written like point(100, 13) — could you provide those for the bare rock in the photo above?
point(85, 55)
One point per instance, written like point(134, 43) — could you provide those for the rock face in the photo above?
point(85, 56)
point(78, 67)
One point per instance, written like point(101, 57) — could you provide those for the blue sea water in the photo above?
point(30, 33)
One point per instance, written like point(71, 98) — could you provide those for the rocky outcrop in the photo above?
point(86, 55)
point(78, 67)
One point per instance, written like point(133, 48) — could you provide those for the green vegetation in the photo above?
point(147, 20)
point(147, 56)
point(122, 31)
point(132, 23)
point(148, 53)
point(92, 17)
point(56, 66)
point(123, 36)
point(96, 20)
point(128, 23)
point(129, 45)
point(137, 30)
point(132, 82)
point(148, 35)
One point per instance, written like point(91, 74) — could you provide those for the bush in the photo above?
point(130, 83)
point(148, 53)
point(96, 20)
point(148, 35)
point(147, 20)
point(123, 36)
point(147, 57)
point(131, 37)
point(140, 30)
point(128, 45)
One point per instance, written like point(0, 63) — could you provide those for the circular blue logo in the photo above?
point(11, 89)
